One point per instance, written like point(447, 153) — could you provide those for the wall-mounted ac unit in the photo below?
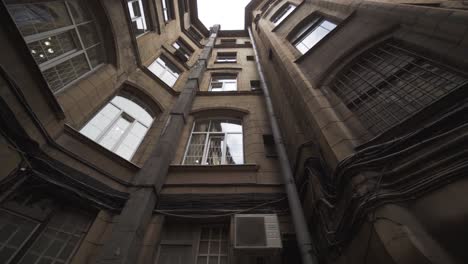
point(256, 231)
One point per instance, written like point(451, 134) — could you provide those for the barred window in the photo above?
point(120, 126)
point(62, 38)
point(223, 83)
point(391, 82)
point(215, 142)
point(138, 16)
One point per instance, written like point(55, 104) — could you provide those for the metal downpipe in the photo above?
point(304, 240)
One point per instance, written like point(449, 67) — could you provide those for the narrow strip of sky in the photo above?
point(228, 13)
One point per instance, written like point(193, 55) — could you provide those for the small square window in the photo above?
point(255, 85)
point(250, 58)
point(270, 149)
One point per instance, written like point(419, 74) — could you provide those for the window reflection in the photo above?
point(215, 142)
point(165, 70)
point(120, 126)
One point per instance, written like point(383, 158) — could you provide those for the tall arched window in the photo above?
point(61, 36)
point(120, 126)
point(215, 142)
point(391, 82)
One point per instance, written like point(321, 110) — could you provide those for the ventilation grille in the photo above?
point(257, 231)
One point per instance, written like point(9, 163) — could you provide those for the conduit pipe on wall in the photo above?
point(304, 240)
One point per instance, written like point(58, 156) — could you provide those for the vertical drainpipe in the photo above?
point(304, 240)
point(127, 234)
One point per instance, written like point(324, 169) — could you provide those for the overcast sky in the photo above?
point(228, 13)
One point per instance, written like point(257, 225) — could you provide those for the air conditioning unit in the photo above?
point(256, 231)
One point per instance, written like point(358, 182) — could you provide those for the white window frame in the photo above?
point(308, 29)
point(208, 134)
point(166, 69)
point(283, 13)
point(70, 54)
point(210, 242)
point(228, 79)
point(113, 123)
point(141, 18)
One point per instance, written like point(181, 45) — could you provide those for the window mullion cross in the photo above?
point(78, 34)
point(107, 129)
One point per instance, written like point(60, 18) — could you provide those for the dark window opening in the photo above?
point(183, 50)
point(255, 85)
point(226, 57)
point(228, 41)
point(250, 58)
point(269, 144)
point(168, 10)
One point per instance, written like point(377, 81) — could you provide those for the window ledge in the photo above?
point(228, 93)
point(213, 168)
point(95, 146)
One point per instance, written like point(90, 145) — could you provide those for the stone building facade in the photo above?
point(131, 133)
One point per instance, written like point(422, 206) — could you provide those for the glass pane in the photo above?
point(115, 133)
point(195, 151)
point(79, 11)
point(223, 260)
point(96, 55)
point(133, 109)
point(99, 122)
point(328, 25)
point(50, 242)
point(201, 126)
point(54, 46)
point(131, 142)
point(65, 72)
point(134, 8)
point(203, 249)
point(202, 260)
point(139, 26)
point(284, 14)
point(14, 232)
point(214, 248)
point(234, 149)
point(40, 17)
point(213, 260)
point(165, 71)
point(315, 36)
point(88, 34)
point(215, 153)
point(226, 126)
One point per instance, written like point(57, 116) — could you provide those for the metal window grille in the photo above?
point(390, 82)
point(213, 245)
point(62, 38)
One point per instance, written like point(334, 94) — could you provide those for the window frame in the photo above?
point(184, 50)
point(145, 17)
point(233, 54)
point(282, 13)
point(206, 141)
point(307, 27)
point(81, 49)
point(228, 76)
point(169, 62)
point(121, 114)
point(167, 7)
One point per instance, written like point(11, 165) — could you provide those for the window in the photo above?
point(193, 32)
point(391, 82)
point(183, 50)
point(213, 246)
point(35, 229)
point(223, 83)
point(309, 35)
point(137, 15)
point(62, 38)
point(282, 13)
point(120, 126)
point(165, 70)
point(168, 10)
point(269, 144)
point(215, 142)
point(250, 58)
point(255, 85)
point(226, 57)
point(228, 41)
